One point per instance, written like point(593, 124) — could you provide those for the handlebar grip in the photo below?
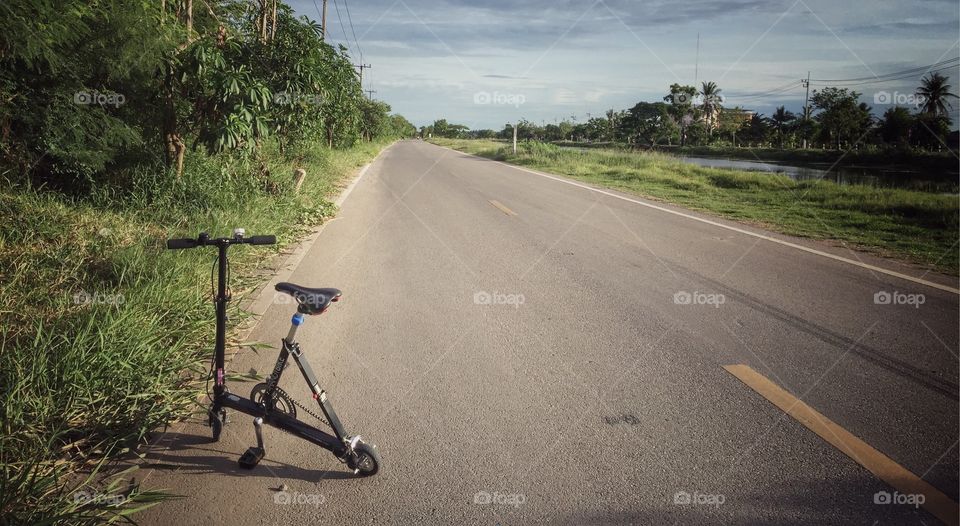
point(262, 240)
point(174, 244)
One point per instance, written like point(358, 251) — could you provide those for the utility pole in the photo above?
point(323, 20)
point(806, 110)
point(515, 126)
point(362, 67)
point(370, 93)
point(696, 64)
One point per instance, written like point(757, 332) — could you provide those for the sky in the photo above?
point(487, 63)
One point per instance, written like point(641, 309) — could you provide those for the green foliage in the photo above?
point(842, 118)
point(122, 123)
point(92, 87)
point(85, 380)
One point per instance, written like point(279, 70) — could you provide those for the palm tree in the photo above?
point(780, 119)
point(935, 94)
point(711, 104)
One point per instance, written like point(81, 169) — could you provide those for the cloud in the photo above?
point(565, 56)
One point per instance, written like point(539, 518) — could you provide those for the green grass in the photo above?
point(917, 226)
point(84, 383)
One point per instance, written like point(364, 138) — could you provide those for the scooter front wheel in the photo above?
point(365, 460)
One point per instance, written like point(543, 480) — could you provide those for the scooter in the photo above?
point(267, 402)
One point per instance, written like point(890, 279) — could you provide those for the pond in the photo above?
point(880, 176)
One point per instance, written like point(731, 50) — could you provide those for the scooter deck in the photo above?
point(284, 422)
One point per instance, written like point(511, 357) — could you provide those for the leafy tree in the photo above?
point(840, 115)
point(680, 100)
point(401, 127)
point(930, 130)
point(756, 130)
point(896, 126)
point(90, 85)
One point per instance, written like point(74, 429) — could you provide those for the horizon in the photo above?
point(484, 66)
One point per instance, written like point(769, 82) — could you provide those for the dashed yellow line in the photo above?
point(502, 208)
point(900, 478)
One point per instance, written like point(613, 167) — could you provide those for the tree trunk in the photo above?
point(173, 143)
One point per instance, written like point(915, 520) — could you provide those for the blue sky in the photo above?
point(486, 63)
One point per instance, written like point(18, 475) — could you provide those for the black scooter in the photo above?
point(268, 403)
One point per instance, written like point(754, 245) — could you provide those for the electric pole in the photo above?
point(323, 20)
point(362, 67)
point(696, 64)
point(370, 93)
point(806, 109)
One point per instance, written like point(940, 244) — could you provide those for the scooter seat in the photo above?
point(311, 301)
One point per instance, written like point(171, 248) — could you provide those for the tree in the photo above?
point(841, 116)
point(896, 126)
point(757, 129)
point(680, 99)
point(780, 119)
point(156, 79)
point(650, 123)
point(711, 105)
point(934, 92)
point(401, 127)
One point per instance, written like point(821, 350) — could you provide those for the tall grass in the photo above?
point(106, 336)
point(921, 227)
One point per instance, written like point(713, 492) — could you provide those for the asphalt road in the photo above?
point(527, 351)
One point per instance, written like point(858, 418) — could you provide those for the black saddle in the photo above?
point(311, 301)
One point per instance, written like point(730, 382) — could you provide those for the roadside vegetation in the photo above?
point(917, 226)
point(835, 127)
point(124, 124)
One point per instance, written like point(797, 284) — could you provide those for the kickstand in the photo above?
point(254, 455)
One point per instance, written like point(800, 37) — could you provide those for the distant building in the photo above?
point(733, 118)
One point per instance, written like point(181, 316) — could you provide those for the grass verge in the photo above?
point(106, 335)
point(920, 227)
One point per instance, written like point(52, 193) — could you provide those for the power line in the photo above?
point(346, 38)
point(350, 20)
point(891, 79)
point(772, 91)
point(908, 72)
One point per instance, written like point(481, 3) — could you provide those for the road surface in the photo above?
point(524, 350)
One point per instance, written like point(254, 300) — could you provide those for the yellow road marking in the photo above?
point(502, 208)
point(900, 478)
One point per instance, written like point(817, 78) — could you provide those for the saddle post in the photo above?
point(295, 324)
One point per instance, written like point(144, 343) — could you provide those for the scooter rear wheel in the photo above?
point(365, 460)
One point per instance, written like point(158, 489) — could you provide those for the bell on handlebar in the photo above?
point(239, 233)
